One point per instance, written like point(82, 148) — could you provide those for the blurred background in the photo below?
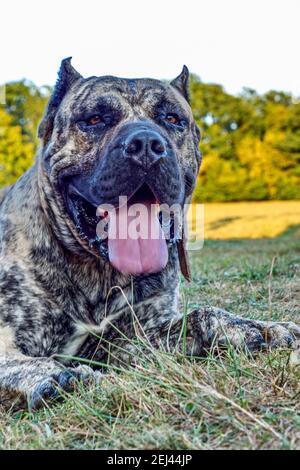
point(245, 89)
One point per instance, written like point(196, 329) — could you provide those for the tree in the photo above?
point(16, 153)
point(250, 144)
point(25, 103)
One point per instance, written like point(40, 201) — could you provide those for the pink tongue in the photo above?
point(136, 243)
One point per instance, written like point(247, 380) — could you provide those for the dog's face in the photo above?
point(106, 137)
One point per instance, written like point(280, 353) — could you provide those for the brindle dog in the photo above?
point(60, 294)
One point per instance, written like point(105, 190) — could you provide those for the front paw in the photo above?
point(281, 334)
point(52, 387)
point(220, 328)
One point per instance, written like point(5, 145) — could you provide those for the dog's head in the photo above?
point(106, 137)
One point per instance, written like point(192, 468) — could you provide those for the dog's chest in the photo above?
point(84, 330)
point(105, 315)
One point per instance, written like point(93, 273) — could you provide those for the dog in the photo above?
point(65, 291)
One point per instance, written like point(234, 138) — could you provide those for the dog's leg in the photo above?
point(193, 335)
point(207, 327)
point(33, 381)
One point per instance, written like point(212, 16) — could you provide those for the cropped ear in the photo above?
point(181, 83)
point(67, 75)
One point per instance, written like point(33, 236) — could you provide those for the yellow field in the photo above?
point(251, 219)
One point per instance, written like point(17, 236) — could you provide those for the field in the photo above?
point(232, 401)
point(251, 219)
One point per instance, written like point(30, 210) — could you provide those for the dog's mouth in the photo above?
point(133, 237)
point(83, 214)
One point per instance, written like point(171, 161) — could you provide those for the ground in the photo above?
point(251, 219)
point(230, 401)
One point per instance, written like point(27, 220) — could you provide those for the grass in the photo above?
point(232, 401)
point(251, 219)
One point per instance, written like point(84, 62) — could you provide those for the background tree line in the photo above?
point(250, 142)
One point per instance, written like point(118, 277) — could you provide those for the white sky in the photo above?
point(237, 43)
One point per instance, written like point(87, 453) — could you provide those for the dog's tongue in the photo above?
point(136, 245)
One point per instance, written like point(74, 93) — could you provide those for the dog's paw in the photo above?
point(281, 334)
point(259, 336)
point(55, 385)
point(220, 328)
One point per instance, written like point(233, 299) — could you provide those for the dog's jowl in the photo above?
point(76, 278)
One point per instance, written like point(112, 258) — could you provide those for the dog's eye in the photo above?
point(94, 120)
point(172, 119)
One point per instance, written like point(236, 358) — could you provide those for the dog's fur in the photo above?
point(59, 296)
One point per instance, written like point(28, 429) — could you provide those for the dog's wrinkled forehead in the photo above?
point(136, 98)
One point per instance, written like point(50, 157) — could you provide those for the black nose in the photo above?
point(145, 148)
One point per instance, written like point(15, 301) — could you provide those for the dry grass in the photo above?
point(232, 401)
point(251, 219)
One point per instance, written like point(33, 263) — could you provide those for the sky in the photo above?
point(237, 43)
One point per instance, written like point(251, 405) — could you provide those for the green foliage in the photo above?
point(250, 142)
point(25, 103)
point(16, 153)
point(19, 119)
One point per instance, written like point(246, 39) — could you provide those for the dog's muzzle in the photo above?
point(122, 195)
